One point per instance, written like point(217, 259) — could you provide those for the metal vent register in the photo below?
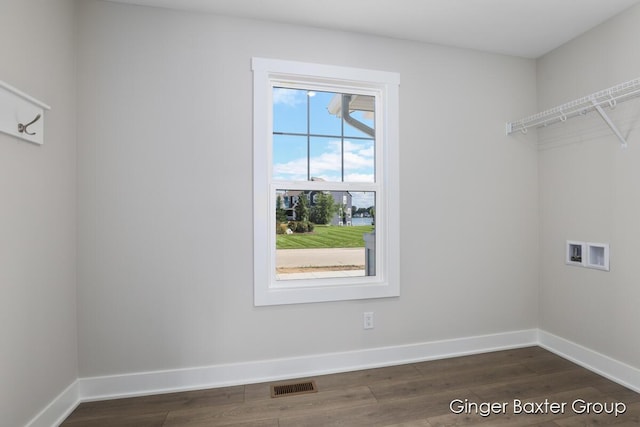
point(293, 388)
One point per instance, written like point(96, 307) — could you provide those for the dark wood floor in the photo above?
point(418, 394)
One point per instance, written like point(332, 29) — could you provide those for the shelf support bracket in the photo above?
point(612, 125)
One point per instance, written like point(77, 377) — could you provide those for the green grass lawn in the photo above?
point(325, 236)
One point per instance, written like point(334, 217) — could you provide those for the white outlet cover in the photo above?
point(368, 320)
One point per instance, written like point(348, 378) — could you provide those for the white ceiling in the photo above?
point(528, 28)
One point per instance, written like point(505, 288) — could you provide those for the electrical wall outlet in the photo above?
point(368, 320)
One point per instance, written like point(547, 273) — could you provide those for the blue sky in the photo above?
point(325, 161)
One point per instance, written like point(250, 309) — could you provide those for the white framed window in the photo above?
point(325, 155)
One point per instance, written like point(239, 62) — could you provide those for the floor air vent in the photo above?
point(293, 389)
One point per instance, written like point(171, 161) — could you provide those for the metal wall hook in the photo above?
point(23, 128)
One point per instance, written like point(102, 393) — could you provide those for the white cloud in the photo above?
point(290, 97)
point(295, 170)
point(359, 177)
point(367, 152)
point(358, 164)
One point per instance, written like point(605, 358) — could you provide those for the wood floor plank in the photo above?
point(154, 404)
point(269, 422)
point(481, 374)
point(548, 363)
point(145, 420)
point(522, 388)
point(408, 411)
point(273, 408)
point(391, 374)
point(416, 423)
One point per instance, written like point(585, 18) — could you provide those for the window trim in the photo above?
point(268, 73)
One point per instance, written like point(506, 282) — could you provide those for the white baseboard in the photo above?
point(59, 409)
point(109, 387)
point(612, 369)
point(146, 383)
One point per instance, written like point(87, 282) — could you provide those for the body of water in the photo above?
point(361, 221)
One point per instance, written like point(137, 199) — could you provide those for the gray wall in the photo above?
point(165, 194)
point(589, 191)
point(38, 353)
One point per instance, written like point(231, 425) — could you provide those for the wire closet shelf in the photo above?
point(607, 97)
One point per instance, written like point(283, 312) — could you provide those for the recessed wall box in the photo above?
point(575, 253)
point(598, 256)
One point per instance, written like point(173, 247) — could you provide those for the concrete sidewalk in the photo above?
point(319, 257)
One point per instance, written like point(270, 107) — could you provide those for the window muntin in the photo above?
point(312, 135)
point(306, 88)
